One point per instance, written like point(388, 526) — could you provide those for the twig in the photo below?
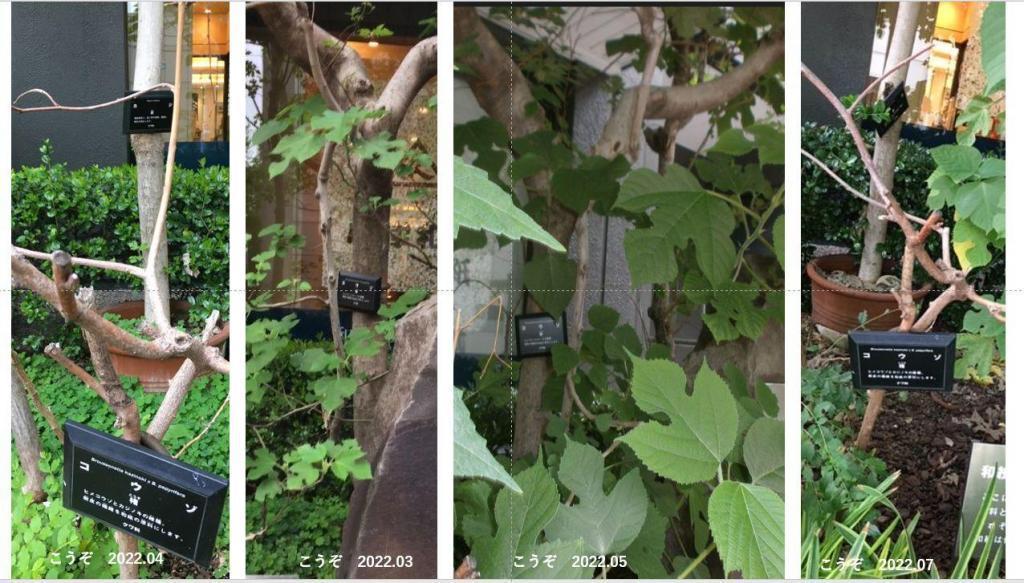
point(54, 106)
point(84, 262)
point(30, 388)
point(881, 77)
point(205, 429)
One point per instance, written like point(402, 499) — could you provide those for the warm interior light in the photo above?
point(373, 44)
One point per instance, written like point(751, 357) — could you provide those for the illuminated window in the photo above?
point(940, 82)
point(204, 60)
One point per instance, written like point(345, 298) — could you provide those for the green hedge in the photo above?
point(93, 212)
point(829, 214)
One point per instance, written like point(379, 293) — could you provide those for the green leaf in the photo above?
point(472, 458)
point(650, 257)
point(993, 46)
point(678, 219)
point(403, 304)
point(300, 470)
point(706, 221)
point(520, 519)
point(298, 146)
point(261, 464)
point(526, 166)
point(581, 470)
point(595, 179)
point(957, 162)
point(603, 318)
point(733, 142)
point(763, 454)
point(747, 524)
point(267, 130)
point(976, 354)
point(976, 120)
point(607, 524)
point(314, 360)
point(332, 391)
point(970, 245)
point(563, 358)
point(385, 152)
point(702, 427)
point(268, 488)
point(348, 459)
point(644, 554)
point(942, 190)
point(338, 125)
point(982, 201)
point(551, 279)
point(771, 143)
point(362, 342)
point(644, 188)
point(482, 205)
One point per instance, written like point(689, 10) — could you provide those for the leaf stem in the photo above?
point(696, 562)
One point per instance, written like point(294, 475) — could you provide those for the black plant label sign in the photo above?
point(537, 333)
point(897, 104)
point(902, 361)
point(359, 292)
point(988, 462)
point(149, 113)
point(151, 496)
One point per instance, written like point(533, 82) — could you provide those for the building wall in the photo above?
point(836, 44)
point(77, 53)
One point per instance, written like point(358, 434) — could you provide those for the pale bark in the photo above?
point(346, 77)
point(149, 151)
point(26, 440)
point(903, 34)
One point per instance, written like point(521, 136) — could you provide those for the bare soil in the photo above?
point(929, 441)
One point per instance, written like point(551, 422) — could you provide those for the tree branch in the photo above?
point(30, 388)
point(418, 67)
point(683, 101)
point(348, 80)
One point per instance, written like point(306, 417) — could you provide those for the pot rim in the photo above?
point(873, 296)
point(216, 340)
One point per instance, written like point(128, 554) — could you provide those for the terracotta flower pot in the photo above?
point(837, 306)
point(155, 375)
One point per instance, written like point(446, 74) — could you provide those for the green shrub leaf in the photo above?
point(747, 524)
point(702, 427)
point(483, 205)
point(472, 458)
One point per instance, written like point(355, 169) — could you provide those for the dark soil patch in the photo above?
point(931, 445)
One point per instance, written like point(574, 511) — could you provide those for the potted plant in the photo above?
point(154, 374)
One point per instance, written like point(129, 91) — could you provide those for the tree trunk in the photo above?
point(371, 233)
point(149, 148)
point(903, 35)
point(26, 440)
